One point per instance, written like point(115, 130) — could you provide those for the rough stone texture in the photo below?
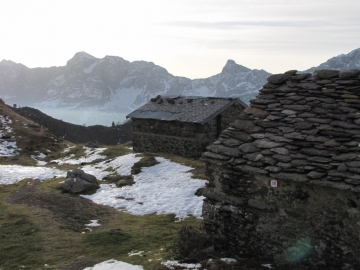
point(295, 190)
point(181, 138)
point(77, 181)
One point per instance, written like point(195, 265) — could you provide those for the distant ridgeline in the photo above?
point(285, 176)
point(76, 133)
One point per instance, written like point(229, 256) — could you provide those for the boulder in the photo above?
point(127, 180)
point(350, 73)
point(77, 181)
point(326, 74)
point(278, 78)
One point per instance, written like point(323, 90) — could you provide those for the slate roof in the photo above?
point(184, 108)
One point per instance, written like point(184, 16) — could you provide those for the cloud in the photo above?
point(236, 24)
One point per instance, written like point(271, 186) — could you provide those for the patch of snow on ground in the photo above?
point(228, 260)
point(93, 223)
point(10, 174)
point(122, 165)
point(7, 148)
point(39, 156)
point(166, 188)
point(114, 265)
point(172, 264)
point(91, 154)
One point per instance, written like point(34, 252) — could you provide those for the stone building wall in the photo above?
point(180, 138)
point(284, 179)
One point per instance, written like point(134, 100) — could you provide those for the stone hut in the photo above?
point(284, 178)
point(182, 125)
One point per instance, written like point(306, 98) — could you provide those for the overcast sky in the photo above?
point(191, 38)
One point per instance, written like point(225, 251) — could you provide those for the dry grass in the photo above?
point(39, 225)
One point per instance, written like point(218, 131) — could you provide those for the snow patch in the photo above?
point(90, 68)
point(114, 265)
point(166, 188)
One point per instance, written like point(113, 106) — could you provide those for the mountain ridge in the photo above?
point(113, 84)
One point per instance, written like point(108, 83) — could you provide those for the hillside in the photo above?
point(76, 133)
point(22, 138)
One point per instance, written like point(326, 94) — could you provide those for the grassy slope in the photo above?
point(42, 228)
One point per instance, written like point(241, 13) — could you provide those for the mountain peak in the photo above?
point(81, 57)
point(350, 60)
point(7, 63)
point(231, 67)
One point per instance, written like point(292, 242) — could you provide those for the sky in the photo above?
point(191, 38)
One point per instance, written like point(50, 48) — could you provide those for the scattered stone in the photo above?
point(127, 180)
point(325, 74)
point(290, 177)
point(349, 73)
point(264, 143)
point(77, 181)
point(278, 78)
point(248, 148)
point(315, 174)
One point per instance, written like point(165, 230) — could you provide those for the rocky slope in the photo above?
point(21, 138)
point(76, 133)
point(340, 62)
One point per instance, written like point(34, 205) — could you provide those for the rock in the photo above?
point(316, 152)
point(291, 72)
point(282, 158)
point(241, 136)
point(301, 77)
point(274, 169)
point(290, 177)
point(303, 125)
point(253, 156)
point(256, 112)
point(250, 169)
point(127, 180)
point(278, 78)
point(275, 138)
point(332, 184)
point(342, 168)
point(92, 145)
point(295, 135)
point(248, 148)
point(346, 157)
point(264, 143)
point(247, 126)
point(315, 174)
point(280, 150)
point(325, 74)
point(259, 205)
point(77, 181)
point(310, 86)
point(349, 73)
point(297, 107)
point(223, 150)
point(288, 112)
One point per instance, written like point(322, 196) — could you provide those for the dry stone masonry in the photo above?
point(182, 125)
point(284, 178)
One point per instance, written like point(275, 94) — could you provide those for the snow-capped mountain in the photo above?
point(113, 83)
point(340, 62)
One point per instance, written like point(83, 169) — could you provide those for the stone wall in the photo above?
point(180, 138)
point(284, 179)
